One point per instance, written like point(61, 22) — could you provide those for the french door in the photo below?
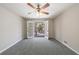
point(36, 29)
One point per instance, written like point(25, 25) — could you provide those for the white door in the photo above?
point(46, 29)
point(30, 29)
point(41, 29)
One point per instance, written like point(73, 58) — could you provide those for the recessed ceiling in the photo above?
point(24, 10)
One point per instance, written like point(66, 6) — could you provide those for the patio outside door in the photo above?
point(36, 29)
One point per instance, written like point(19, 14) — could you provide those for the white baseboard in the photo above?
point(9, 46)
point(69, 47)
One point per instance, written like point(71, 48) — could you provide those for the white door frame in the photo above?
point(33, 24)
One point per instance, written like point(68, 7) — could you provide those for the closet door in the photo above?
point(30, 29)
point(46, 29)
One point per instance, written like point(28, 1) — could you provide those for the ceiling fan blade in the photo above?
point(45, 6)
point(38, 5)
point(45, 12)
point(31, 5)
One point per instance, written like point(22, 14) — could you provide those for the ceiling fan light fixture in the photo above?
point(39, 9)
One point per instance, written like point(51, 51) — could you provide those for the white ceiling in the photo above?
point(23, 9)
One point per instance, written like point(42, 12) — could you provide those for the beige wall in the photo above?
point(24, 28)
point(51, 28)
point(67, 27)
point(57, 28)
point(10, 28)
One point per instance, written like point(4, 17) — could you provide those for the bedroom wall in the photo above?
point(51, 28)
point(24, 28)
point(10, 29)
point(67, 28)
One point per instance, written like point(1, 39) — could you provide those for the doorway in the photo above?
point(37, 29)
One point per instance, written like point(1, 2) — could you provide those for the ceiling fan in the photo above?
point(39, 9)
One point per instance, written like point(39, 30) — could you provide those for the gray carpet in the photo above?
point(38, 47)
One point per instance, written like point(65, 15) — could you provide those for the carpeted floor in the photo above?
point(38, 47)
